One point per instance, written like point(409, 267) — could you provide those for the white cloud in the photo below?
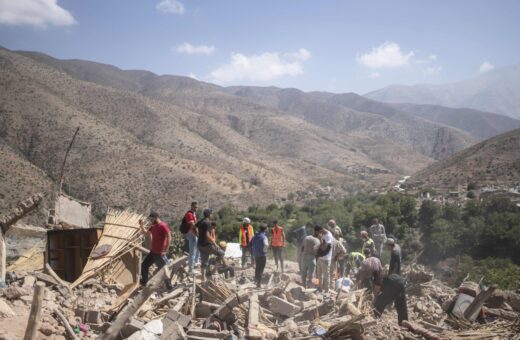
point(170, 6)
point(387, 55)
point(486, 67)
point(193, 76)
point(374, 75)
point(261, 67)
point(35, 13)
point(191, 49)
point(302, 54)
point(433, 70)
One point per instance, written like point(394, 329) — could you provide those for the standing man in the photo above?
point(259, 245)
point(368, 243)
point(393, 290)
point(310, 247)
point(335, 229)
point(300, 234)
point(207, 242)
point(395, 256)
point(370, 273)
point(277, 243)
point(324, 259)
point(161, 238)
point(339, 253)
point(245, 235)
point(190, 218)
point(377, 231)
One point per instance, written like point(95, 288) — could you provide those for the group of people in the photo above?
point(324, 250)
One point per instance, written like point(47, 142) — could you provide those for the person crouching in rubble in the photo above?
point(259, 245)
point(207, 242)
point(370, 273)
point(221, 266)
point(392, 290)
point(161, 238)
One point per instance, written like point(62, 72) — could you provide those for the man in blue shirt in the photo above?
point(259, 245)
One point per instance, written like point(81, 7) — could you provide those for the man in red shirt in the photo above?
point(161, 238)
point(192, 236)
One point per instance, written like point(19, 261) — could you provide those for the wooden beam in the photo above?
point(52, 273)
point(3, 257)
point(471, 312)
point(154, 284)
point(65, 323)
point(36, 310)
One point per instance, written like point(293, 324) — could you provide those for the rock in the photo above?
point(29, 281)
point(5, 309)
point(13, 292)
point(47, 329)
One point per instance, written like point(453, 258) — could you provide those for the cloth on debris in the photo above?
point(233, 251)
point(73, 212)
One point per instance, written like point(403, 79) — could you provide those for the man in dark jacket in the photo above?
point(392, 290)
point(395, 256)
point(259, 245)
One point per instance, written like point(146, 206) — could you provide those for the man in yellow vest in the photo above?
point(245, 235)
point(277, 243)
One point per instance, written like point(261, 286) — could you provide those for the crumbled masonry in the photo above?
point(227, 309)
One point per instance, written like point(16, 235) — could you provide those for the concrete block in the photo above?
point(132, 326)
point(174, 332)
point(93, 316)
point(176, 317)
point(242, 296)
point(199, 333)
point(282, 307)
point(232, 301)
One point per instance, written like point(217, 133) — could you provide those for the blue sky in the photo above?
point(337, 46)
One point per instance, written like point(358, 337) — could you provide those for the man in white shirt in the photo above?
point(324, 259)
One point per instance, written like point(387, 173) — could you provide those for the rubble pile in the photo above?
point(236, 309)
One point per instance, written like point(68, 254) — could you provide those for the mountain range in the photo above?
point(495, 91)
point(159, 141)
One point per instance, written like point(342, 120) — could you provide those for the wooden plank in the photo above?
point(155, 283)
point(65, 324)
point(36, 310)
point(471, 312)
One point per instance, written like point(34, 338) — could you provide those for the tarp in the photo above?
point(72, 212)
point(233, 250)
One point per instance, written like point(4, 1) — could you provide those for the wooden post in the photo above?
point(155, 283)
point(193, 297)
point(65, 324)
point(7, 220)
point(36, 307)
point(471, 312)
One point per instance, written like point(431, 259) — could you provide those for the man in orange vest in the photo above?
point(277, 243)
point(245, 235)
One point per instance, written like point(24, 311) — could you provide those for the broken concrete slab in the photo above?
point(174, 316)
point(174, 332)
point(5, 309)
point(133, 325)
point(283, 307)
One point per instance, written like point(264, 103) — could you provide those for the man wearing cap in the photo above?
point(190, 218)
point(207, 242)
point(370, 273)
point(395, 256)
point(220, 266)
point(161, 238)
point(245, 235)
point(368, 243)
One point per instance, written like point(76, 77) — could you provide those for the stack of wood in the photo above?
point(121, 234)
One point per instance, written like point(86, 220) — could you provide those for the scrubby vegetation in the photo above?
point(486, 232)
